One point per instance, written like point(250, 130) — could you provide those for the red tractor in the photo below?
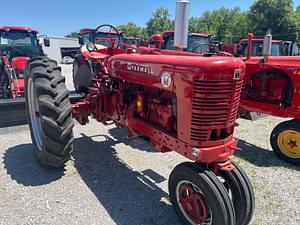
point(179, 101)
point(279, 48)
point(17, 46)
point(197, 42)
point(272, 87)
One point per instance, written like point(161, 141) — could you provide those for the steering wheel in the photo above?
point(112, 40)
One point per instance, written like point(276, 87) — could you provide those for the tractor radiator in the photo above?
point(214, 109)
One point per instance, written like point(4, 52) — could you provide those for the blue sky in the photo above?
point(61, 17)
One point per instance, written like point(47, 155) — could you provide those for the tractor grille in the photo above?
point(214, 105)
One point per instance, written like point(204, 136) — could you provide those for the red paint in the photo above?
point(20, 63)
point(8, 28)
point(193, 203)
point(19, 87)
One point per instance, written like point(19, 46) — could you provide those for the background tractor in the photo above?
point(180, 102)
point(272, 87)
point(279, 48)
point(17, 46)
point(197, 42)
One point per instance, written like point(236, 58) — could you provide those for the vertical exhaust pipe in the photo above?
point(267, 48)
point(249, 52)
point(181, 24)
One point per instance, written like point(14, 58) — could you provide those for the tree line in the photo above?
point(228, 25)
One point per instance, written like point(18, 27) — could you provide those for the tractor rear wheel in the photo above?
point(198, 197)
point(285, 141)
point(238, 185)
point(49, 112)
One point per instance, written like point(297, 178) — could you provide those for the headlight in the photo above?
point(91, 47)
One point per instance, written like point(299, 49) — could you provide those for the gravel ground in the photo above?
point(115, 180)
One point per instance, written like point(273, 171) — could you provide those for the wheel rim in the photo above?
point(289, 143)
point(193, 204)
point(34, 114)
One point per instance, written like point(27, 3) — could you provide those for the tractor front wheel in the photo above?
point(49, 112)
point(285, 141)
point(198, 197)
point(241, 192)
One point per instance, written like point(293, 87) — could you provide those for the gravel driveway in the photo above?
point(115, 180)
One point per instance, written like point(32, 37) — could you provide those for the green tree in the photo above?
point(277, 15)
point(130, 29)
point(228, 25)
point(72, 35)
point(143, 34)
point(159, 22)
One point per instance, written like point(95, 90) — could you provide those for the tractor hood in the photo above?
point(19, 63)
point(148, 69)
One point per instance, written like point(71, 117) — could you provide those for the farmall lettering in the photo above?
point(140, 68)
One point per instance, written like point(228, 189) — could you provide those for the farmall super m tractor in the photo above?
point(272, 87)
point(181, 102)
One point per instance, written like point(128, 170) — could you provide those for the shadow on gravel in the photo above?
point(128, 196)
point(140, 143)
point(261, 157)
point(22, 166)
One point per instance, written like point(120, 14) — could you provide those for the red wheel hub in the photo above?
point(193, 203)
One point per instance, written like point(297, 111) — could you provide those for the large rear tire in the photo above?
point(198, 197)
point(49, 112)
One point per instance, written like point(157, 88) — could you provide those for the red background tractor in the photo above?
point(180, 102)
point(197, 42)
point(17, 46)
point(279, 48)
point(272, 87)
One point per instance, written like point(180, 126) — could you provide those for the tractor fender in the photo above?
point(80, 59)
